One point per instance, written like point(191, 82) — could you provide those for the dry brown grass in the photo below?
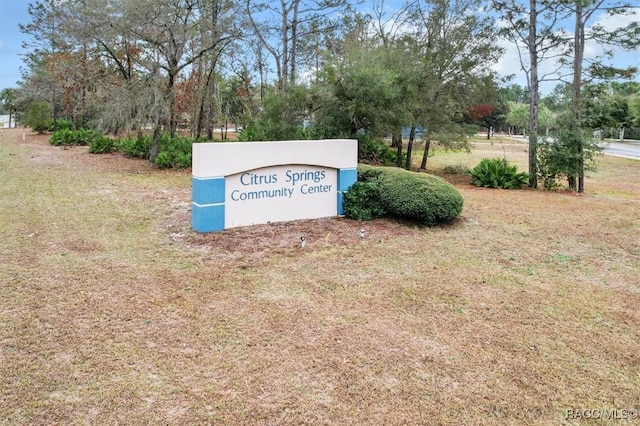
point(112, 311)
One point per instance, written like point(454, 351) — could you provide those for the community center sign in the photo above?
point(248, 183)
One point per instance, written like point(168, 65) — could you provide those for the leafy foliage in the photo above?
point(63, 137)
point(138, 147)
point(362, 201)
point(400, 193)
point(419, 196)
point(560, 157)
point(488, 115)
point(375, 151)
point(174, 152)
point(102, 144)
point(68, 137)
point(282, 118)
point(498, 173)
point(38, 117)
point(64, 124)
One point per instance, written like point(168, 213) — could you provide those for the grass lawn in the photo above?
point(113, 311)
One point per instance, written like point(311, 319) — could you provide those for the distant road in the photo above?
point(627, 150)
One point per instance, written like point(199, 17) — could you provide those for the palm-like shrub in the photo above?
point(498, 173)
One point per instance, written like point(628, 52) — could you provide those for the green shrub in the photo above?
point(419, 196)
point(560, 157)
point(102, 144)
point(183, 160)
point(362, 201)
point(137, 147)
point(64, 137)
point(85, 136)
point(68, 137)
point(63, 124)
point(163, 160)
point(375, 151)
point(498, 173)
point(397, 192)
point(38, 117)
point(457, 169)
point(174, 152)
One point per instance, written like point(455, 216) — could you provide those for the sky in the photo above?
point(14, 12)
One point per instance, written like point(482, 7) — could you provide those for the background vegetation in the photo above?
point(387, 74)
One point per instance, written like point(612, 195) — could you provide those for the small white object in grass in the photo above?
point(303, 241)
point(362, 233)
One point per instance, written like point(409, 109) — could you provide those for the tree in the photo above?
point(453, 43)
point(48, 42)
point(8, 99)
point(518, 116)
point(38, 117)
point(175, 34)
point(418, 78)
point(634, 108)
point(546, 118)
point(532, 26)
point(365, 91)
point(285, 27)
point(626, 37)
point(512, 93)
point(283, 117)
point(488, 116)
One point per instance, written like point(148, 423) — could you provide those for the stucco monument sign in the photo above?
point(248, 183)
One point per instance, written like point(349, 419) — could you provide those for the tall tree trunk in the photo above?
point(211, 111)
point(425, 155)
point(412, 136)
point(533, 92)
point(397, 137)
point(170, 95)
point(283, 77)
point(577, 89)
point(294, 42)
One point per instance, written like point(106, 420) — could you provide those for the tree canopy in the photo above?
point(310, 68)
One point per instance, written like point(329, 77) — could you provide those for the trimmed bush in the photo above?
point(498, 173)
point(362, 201)
point(404, 194)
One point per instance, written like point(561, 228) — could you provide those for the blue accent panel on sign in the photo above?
point(208, 191)
point(207, 218)
point(346, 178)
point(340, 204)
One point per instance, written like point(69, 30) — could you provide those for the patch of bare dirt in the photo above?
point(258, 242)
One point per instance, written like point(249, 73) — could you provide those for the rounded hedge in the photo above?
point(417, 196)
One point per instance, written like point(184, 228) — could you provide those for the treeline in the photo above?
point(293, 69)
